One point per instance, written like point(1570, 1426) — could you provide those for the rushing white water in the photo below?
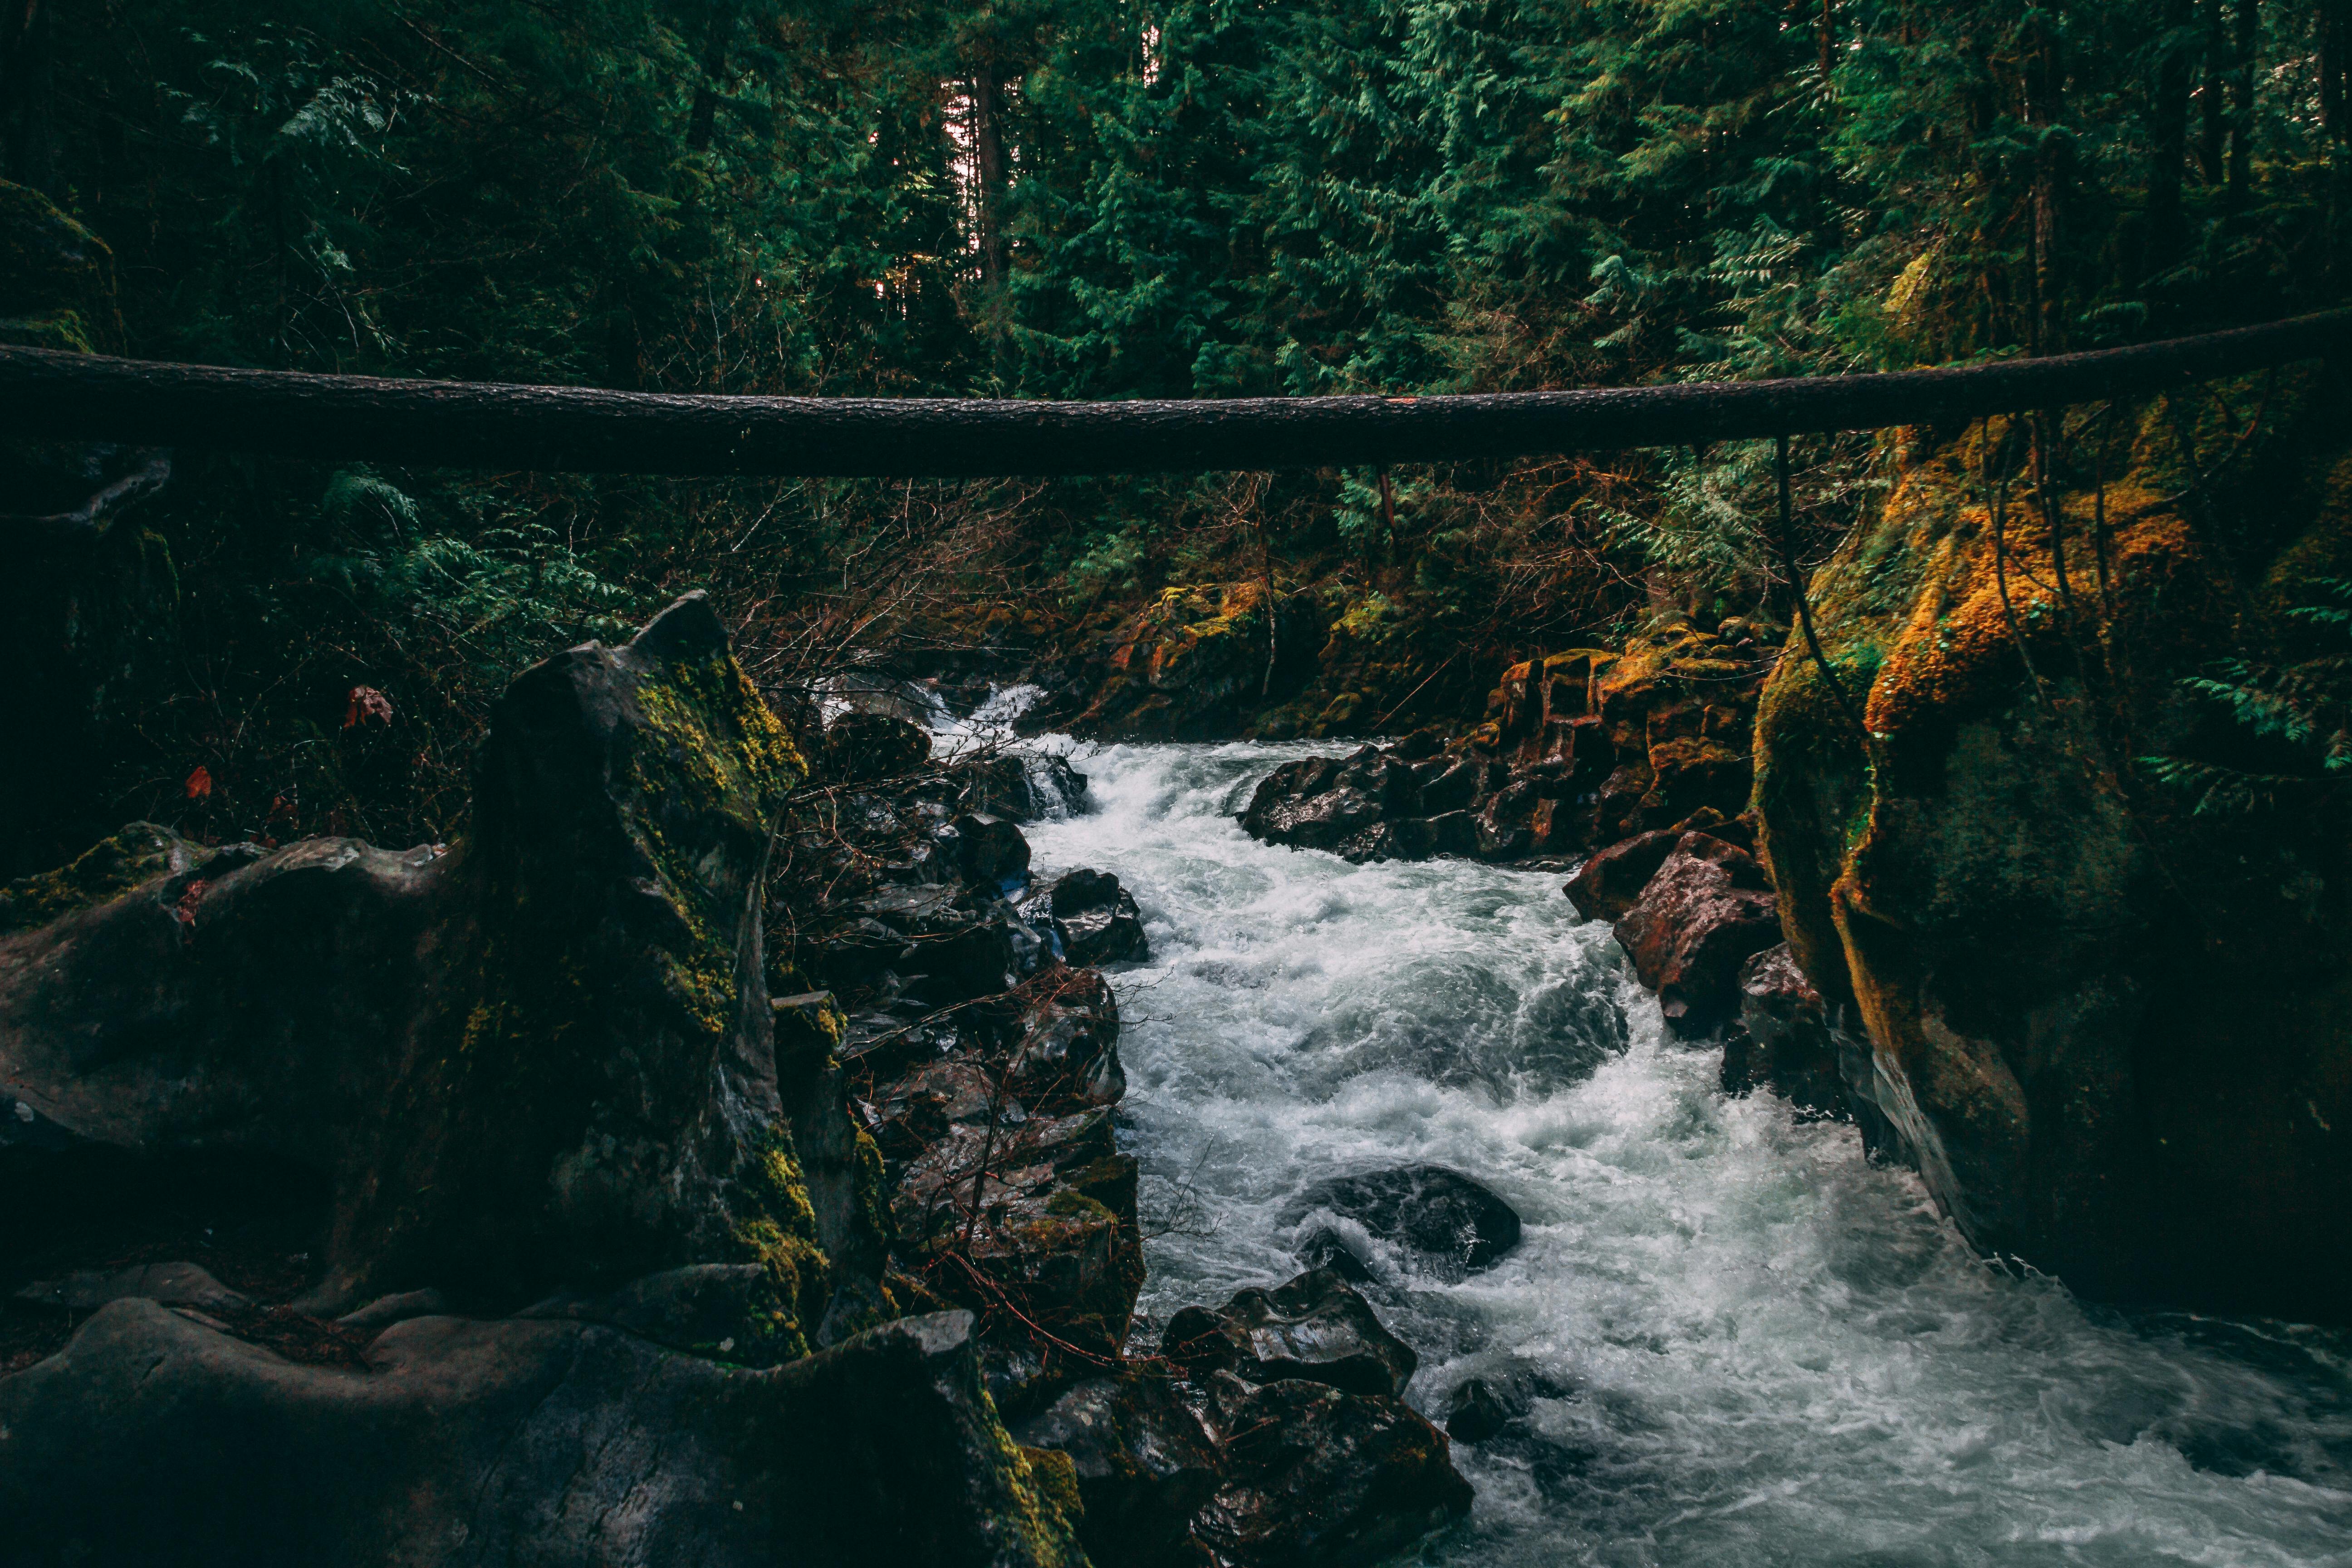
point(1740, 1342)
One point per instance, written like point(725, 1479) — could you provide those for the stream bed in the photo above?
point(1734, 1340)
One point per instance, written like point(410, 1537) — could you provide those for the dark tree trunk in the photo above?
point(428, 424)
point(2244, 79)
point(2045, 87)
point(703, 122)
point(27, 140)
point(2336, 69)
point(988, 167)
point(2168, 228)
point(2212, 123)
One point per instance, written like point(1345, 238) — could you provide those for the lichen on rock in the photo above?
point(2109, 1029)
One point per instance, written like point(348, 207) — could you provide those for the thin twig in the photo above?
point(1804, 600)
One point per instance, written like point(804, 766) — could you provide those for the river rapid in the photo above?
point(1735, 1338)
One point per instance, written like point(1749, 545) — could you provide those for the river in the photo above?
point(1737, 1339)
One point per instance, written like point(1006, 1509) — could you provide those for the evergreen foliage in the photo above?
point(1105, 198)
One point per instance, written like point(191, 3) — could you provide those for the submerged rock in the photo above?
point(1706, 911)
point(1456, 1226)
point(1474, 1412)
point(1314, 1328)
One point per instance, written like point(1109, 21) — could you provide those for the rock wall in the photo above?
point(615, 1234)
point(2112, 1029)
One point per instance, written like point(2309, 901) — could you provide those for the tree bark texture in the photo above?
point(439, 424)
point(2246, 59)
point(27, 141)
point(2167, 230)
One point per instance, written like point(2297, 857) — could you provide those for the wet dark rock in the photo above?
point(1507, 822)
point(1022, 786)
point(702, 1309)
point(1325, 1248)
point(1784, 1038)
point(1707, 910)
point(856, 954)
point(1316, 1328)
point(1458, 1226)
point(1475, 1413)
point(862, 747)
point(1144, 1461)
point(910, 1113)
point(1095, 919)
point(1337, 804)
point(1611, 882)
point(152, 1437)
point(1449, 784)
point(1317, 1477)
point(1454, 833)
point(1043, 1211)
point(1068, 1054)
point(990, 852)
point(590, 932)
point(988, 955)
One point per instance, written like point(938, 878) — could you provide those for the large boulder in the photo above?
point(2099, 931)
point(540, 1076)
point(1706, 911)
point(156, 1437)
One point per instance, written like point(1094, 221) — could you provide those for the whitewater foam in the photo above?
point(1737, 1339)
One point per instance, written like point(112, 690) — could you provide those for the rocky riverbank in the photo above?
point(714, 1154)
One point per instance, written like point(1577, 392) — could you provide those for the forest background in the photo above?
point(1065, 198)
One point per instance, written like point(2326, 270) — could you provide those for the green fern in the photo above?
point(2302, 711)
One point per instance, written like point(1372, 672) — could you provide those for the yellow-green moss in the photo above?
point(57, 279)
point(113, 866)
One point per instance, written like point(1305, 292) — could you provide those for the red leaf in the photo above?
point(200, 784)
point(367, 704)
point(185, 912)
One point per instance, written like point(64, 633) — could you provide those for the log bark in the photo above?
point(430, 423)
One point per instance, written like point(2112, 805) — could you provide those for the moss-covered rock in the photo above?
point(114, 865)
point(57, 279)
point(2111, 1031)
